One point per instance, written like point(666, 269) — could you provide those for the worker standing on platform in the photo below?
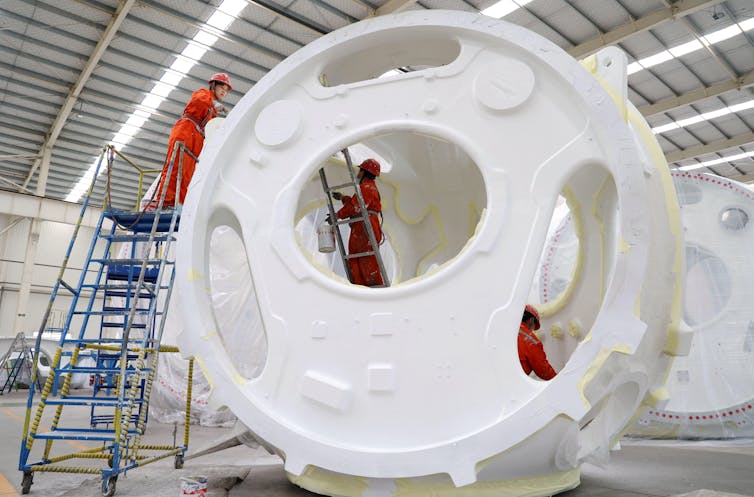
point(189, 130)
point(531, 353)
point(364, 270)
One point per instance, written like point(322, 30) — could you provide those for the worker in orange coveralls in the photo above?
point(531, 353)
point(364, 270)
point(203, 106)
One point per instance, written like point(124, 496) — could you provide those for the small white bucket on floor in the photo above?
point(194, 485)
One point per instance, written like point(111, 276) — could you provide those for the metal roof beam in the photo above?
point(694, 96)
point(678, 9)
point(709, 148)
point(118, 17)
point(35, 207)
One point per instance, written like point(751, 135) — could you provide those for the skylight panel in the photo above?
point(232, 7)
point(172, 78)
point(715, 162)
point(136, 120)
point(219, 20)
point(162, 89)
point(723, 34)
point(503, 8)
point(742, 106)
point(655, 59)
point(665, 127)
point(182, 64)
point(691, 46)
point(691, 120)
point(152, 101)
point(195, 51)
point(707, 116)
point(716, 113)
point(686, 48)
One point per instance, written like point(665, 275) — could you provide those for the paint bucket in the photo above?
point(326, 237)
point(195, 486)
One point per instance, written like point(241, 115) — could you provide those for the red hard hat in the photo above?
point(221, 77)
point(533, 311)
point(371, 166)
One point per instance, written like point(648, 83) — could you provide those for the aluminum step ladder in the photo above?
point(16, 363)
point(363, 217)
point(128, 297)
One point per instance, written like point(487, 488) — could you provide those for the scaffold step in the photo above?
point(139, 326)
point(100, 370)
point(92, 401)
point(82, 434)
point(141, 222)
point(142, 237)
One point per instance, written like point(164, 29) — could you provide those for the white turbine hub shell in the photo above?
point(422, 378)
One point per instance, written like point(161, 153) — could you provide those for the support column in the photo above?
point(22, 306)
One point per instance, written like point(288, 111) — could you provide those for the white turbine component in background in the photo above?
point(711, 391)
point(383, 391)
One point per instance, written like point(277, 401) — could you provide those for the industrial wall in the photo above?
point(53, 242)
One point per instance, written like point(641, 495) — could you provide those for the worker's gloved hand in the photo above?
point(220, 108)
point(328, 219)
point(337, 195)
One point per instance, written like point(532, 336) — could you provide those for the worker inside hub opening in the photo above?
point(189, 130)
point(531, 353)
point(365, 270)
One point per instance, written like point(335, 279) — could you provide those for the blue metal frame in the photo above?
point(120, 362)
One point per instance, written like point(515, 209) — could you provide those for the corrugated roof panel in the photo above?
point(649, 86)
point(454, 5)
point(39, 68)
point(264, 38)
point(607, 15)
point(321, 14)
point(354, 8)
point(71, 18)
point(678, 79)
point(565, 20)
point(740, 54)
point(293, 29)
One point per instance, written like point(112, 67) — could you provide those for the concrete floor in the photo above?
point(639, 469)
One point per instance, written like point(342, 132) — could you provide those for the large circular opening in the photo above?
point(423, 208)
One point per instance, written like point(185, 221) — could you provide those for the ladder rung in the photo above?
point(360, 254)
point(343, 185)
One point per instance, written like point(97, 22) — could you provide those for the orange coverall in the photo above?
point(364, 270)
point(190, 130)
point(531, 353)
